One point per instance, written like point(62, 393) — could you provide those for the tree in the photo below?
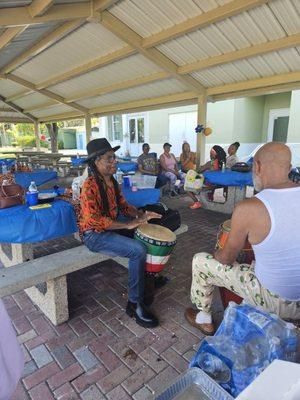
point(53, 132)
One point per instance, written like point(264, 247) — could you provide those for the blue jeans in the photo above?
point(113, 244)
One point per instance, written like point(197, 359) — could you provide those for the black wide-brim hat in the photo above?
point(98, 147)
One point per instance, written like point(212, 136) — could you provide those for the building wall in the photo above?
point(293, 137)
point(273, 101)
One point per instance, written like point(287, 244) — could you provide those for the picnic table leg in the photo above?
point(15, 253)
point(52, 298)
point(234, 195)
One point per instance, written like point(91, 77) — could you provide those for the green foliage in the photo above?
point(26, 141)
point(60, 145)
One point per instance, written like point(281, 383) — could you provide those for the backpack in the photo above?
point(170, 218)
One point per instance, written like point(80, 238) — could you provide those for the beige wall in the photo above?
point(294, 123)
point(248, 119)
point(220, 116)
point(273, 101)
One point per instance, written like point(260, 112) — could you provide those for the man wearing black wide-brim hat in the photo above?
point(101, 203)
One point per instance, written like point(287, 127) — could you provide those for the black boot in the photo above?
point(142, 315)
point(149, 289)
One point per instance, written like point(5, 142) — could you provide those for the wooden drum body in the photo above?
point(246, 256)
point(160, 242)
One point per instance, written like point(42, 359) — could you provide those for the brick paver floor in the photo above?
point(100, 353)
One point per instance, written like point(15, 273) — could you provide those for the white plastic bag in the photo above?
point(11, 356)
point(193, 181)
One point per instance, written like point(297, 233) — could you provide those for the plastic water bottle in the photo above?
point(223, 167)
point(230, 319)
point(291, 342)
point(214, 367)
point(32, 188)
point(75, 190)
point(119, 176)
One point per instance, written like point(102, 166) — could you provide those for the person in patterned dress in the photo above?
point(270, 221)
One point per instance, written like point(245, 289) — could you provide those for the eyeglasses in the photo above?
point(110, 159)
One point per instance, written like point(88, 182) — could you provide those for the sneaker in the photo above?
point(195, 205)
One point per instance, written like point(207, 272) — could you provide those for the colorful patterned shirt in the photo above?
point(92, 215)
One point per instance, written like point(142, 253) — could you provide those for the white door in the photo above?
point(278, 125)
point(182, 129)
point(137, 133)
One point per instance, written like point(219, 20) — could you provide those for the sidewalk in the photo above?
point(100, 353)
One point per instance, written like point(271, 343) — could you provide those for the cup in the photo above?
point(126, 181)
point(32, 198)
point(134, 188)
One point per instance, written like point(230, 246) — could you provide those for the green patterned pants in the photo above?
point(240, 279)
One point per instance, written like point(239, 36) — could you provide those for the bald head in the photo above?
point(272, 163)
point(275, 153)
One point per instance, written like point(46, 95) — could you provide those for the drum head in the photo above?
point(226, 225)
point(157, 232)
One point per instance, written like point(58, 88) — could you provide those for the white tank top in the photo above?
point(277, 257)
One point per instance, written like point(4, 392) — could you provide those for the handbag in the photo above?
point(241, 167)
point(11, 195)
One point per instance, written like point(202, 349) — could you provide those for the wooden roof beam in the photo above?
point(101, 5)
point(18, 109)
point(15, 120)
point(255, 50)
point(39, 7)
point(45, 92)
point(286, 87)
point(89, 66)
point(255, 83)
point(142, 80)
point(126, 34)
point(19, 95)
point(18, 16)
point(42, 44)
point(217, 14)
point(9, 34)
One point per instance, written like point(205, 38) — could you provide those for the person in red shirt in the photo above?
point(101, 203)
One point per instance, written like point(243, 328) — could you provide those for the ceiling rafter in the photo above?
point(9, 34)
point(45, 92)
point(215, 15)
point(39, 7)
point(19, 95)
point(125, 33)
point(101, 5)
point(141, 80)
point(255, 83)
point(145, 104)
point(18, 16)
point(89, 66)
point(15, 120)
point(286, 87)
point(255, 50)
point(42, 44)
point(17, 108)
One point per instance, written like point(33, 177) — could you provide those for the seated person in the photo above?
point(270, 221)
point(217, 159)
point(187, 158)
point(101, 202)
point(169, 168)
point(232, 157)
point(147, 165)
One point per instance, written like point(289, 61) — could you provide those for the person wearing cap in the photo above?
point(169, 168)
point(147, 165)
point(101, 203)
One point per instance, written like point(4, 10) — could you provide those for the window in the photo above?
point(114, 128)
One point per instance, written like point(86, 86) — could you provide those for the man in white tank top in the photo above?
point(271, 223)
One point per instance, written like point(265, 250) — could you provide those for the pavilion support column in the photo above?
point(37, 135)
point(201, 138)
point(88, 128)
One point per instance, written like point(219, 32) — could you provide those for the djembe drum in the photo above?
point(245, 256)
point(159, 241)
